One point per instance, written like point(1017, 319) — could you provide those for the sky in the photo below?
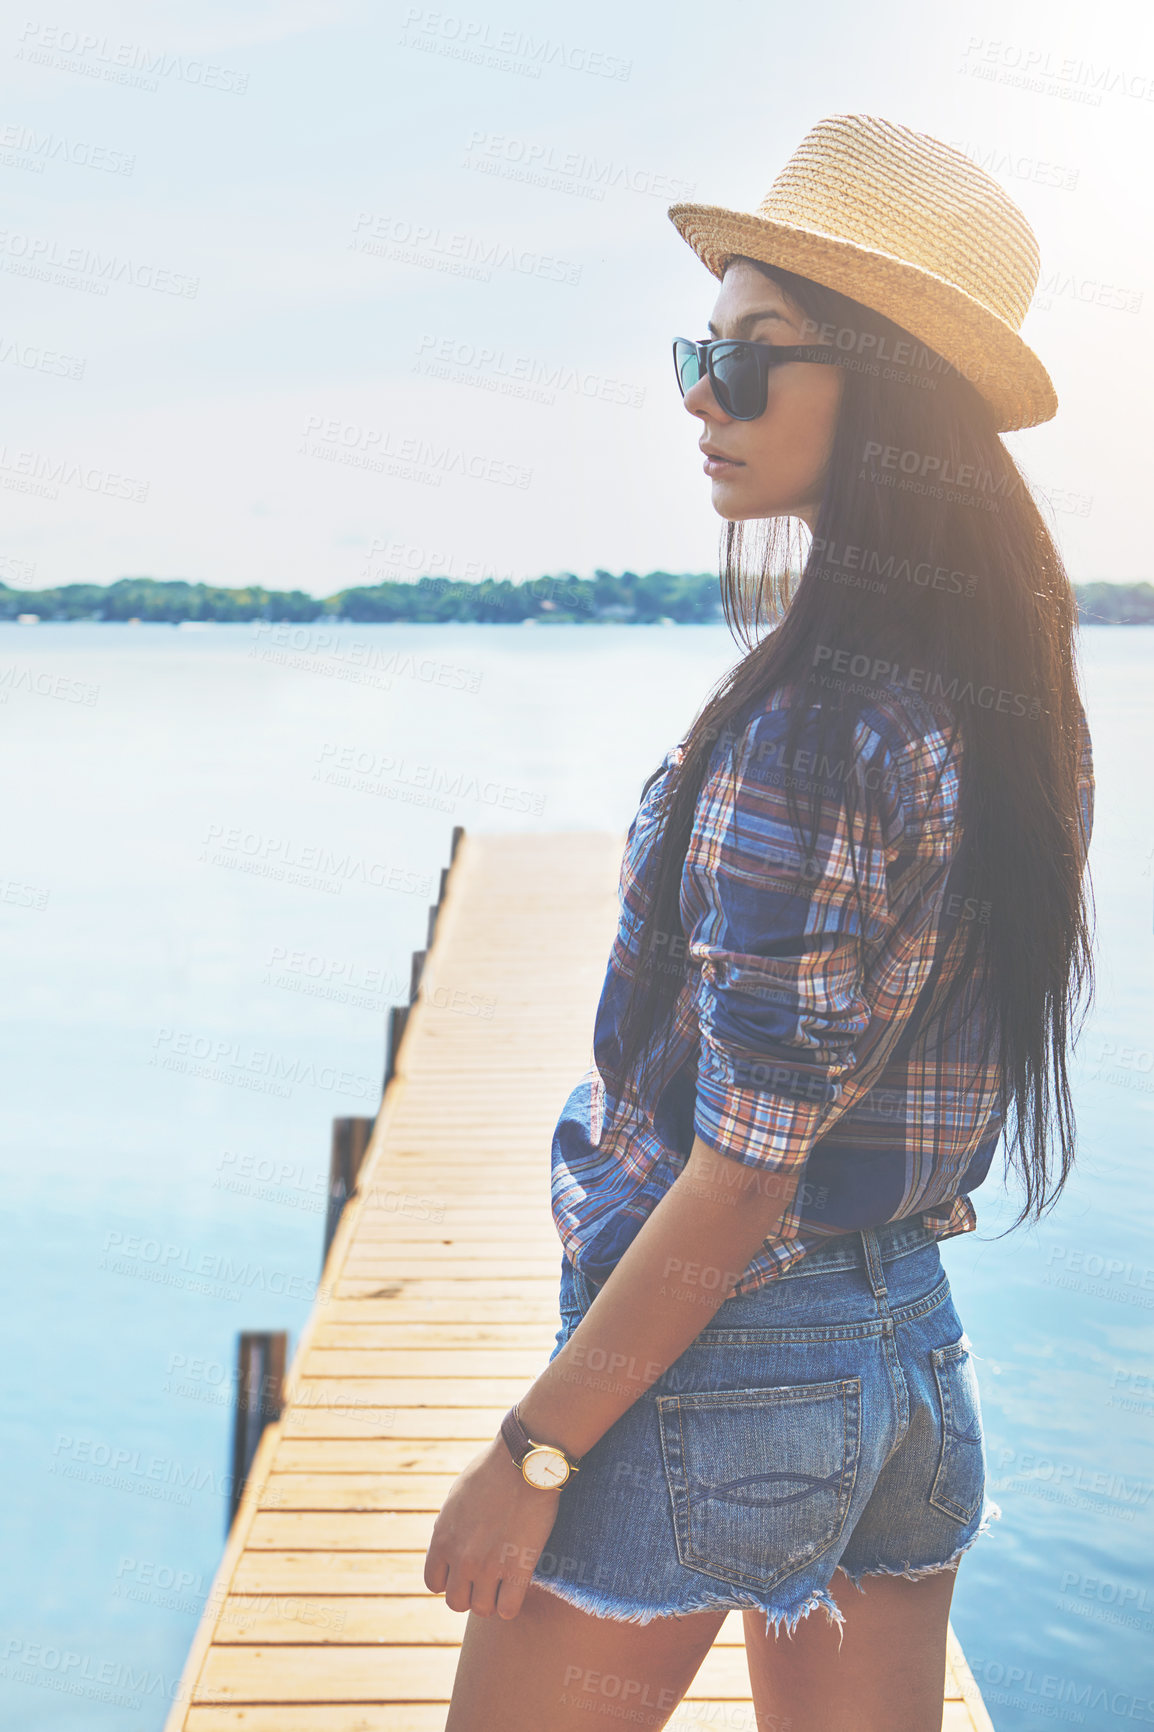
point(245, 318)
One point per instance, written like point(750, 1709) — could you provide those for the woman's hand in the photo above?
point(490, 1532)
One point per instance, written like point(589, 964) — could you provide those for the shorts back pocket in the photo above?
point(760, 1480)
point(960, 1480)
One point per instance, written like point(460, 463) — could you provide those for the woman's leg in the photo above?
point(888, 1676)
point(552, 1666)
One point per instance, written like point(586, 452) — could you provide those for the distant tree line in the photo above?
point(685, 599)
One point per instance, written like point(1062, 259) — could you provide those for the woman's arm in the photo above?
point(684, 1262)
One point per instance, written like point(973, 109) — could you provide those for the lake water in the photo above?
point(181, 876)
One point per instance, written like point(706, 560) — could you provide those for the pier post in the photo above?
point(260, 1369)
point(399, 1013)
point(350, 1140)
point(398, 1016)
point(415, 972)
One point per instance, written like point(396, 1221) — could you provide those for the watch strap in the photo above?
point(520, 1443)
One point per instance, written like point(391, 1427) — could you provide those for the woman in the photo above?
point(853, 934)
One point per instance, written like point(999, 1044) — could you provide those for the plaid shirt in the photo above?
point(799, 1042)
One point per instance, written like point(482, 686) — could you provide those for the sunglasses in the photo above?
point(739, 370)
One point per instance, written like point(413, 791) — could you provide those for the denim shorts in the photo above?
point(830, 1418)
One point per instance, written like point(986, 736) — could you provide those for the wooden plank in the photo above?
point(361, 1619)
point(476, 1240)
point(358, 1673)
point(496, 1289)
point(404, 1307)
point(342, 1674)
point(393, 1422)
point(385, 1619)
point(416, 1391)
point(370, 1261)
point(356, 1491)
point(375, 1455)
point(409, 1215)
point(340, 1531)
point(314, 1573)
point(321, 1717)
point(424, 1334)
point(379, 1274)
point(694, 1715)
point(429, 1362)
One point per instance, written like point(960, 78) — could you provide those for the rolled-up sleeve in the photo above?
point(805, 981)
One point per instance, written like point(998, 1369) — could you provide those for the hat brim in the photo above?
point(988, 352)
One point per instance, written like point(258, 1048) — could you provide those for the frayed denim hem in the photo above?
point(791, 1618)
point(913, 1572)
point(600, 1605)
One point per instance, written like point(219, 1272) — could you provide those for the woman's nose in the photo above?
point(700, 400)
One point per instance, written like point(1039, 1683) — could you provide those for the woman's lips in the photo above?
point(715, 466)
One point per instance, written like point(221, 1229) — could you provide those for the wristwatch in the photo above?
point(542, 1464)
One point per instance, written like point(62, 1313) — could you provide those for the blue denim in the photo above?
point(829, 1418)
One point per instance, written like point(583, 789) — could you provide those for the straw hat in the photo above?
point(910, 227)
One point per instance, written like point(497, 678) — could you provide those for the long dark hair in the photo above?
point(967, 584)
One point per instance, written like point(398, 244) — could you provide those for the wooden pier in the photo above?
point(437, 1309)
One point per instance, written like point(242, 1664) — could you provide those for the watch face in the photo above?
point(545, 1468)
